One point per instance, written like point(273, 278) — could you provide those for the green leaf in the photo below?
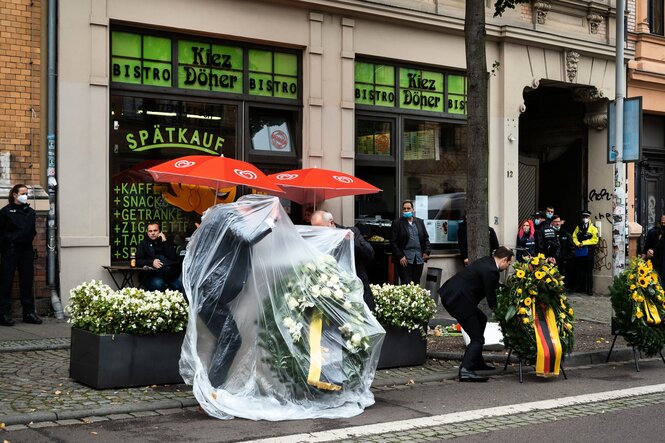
point(510, 313)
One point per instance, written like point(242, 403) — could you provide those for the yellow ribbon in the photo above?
point(651, 312)
point(316, 356)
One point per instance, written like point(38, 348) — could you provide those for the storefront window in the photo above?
point(435, 175)
point(271, 131)
point(145, 132)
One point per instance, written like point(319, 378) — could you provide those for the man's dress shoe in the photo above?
point(32, 318)
point(6, 320)
point(484, 367)
point(470, 376)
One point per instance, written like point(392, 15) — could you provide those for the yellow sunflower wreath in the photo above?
point(638, 301)
point(535, 286)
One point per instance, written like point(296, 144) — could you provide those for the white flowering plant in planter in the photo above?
point(409, 307)
point(97, 308)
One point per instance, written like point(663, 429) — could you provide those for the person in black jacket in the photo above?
point(462, 242)
point(410, 245)
point(654, 248)
point(17, 230)
point(462, 293)
point(157, 252)
point(215, 281)
point(362, 251)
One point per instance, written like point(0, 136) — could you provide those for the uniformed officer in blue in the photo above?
point(17, 230)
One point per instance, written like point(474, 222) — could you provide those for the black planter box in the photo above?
point(402, 348)
point(124, 360)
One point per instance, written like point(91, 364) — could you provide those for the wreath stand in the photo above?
point(523, 363)
point(636, 354)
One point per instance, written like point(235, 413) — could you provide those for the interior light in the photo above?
point(164, 114)
point(204, 117)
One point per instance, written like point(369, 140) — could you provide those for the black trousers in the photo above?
point(221, 323)
point(474, 326)
point(23, 259)
point(409, 273)
point(584, 275)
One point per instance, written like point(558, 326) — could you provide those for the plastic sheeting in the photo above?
point(278, 329)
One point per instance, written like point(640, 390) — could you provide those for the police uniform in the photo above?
point(17, 230)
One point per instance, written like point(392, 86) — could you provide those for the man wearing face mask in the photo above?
point(410, 245)
point(585, 238)
point(654, 247)
point(17, 230)
point(539, 222)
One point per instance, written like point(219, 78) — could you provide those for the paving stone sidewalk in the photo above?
point(35, 386)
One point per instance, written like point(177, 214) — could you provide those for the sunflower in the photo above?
point(527, 301)
point(642, 270)
point(539, 274)
point(643, 281)
point(520, 273)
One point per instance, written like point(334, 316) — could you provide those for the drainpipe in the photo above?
point(51, 220)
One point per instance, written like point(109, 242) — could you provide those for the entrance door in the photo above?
point(651, 193)
point(527, 187)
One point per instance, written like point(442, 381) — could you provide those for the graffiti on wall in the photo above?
point(603, 259)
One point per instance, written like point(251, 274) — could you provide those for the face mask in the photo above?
point(556, 228)
point(548, 216)
point(526, 229)
point(407, 214)
point(22, 199)
point(536, 222)
point(585, 220)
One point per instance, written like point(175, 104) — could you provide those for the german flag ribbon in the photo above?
point(651, 312)
point(316, 357)
point(548, 358)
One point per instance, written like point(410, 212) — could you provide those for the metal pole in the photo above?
point(51, 220)
point(619, 196)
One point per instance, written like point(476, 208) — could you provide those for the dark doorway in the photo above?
point(553, 137)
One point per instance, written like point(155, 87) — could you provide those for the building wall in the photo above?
point(20, 117)
point(331, 35)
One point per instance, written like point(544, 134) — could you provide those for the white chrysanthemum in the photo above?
point(293, 303)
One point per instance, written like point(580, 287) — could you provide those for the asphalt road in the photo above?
point(619, 420)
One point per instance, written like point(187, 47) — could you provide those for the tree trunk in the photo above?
point(478, 145)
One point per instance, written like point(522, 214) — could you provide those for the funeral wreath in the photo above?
point(535, 283)
point(95, 307)
point(314, 333)
point(638, 301)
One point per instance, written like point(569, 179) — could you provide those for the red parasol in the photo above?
point(314, 185)
point(212, 171)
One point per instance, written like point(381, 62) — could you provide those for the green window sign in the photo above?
point(141, 59)
point(273, 74)
point(203, 66)
point(422, 90)
point(375, 84)
point(416, 89)
point(456, 94)
point(210, 67)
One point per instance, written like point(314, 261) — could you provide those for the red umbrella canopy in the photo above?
point(212, 171)
point(313, 185)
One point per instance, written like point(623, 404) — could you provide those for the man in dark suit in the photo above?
point(462, 293)
point(410, 245)
point(217, 266)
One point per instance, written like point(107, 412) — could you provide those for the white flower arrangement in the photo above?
point(408, 307)
point(95, 307)
point(318, 291)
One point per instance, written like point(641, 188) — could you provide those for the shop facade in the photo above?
point(373, 89)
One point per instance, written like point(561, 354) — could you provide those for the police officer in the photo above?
point(585, 238)
point(564, 254)
point(17, 230)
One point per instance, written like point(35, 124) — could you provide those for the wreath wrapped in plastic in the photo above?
point(534, 283)
point(318, 299)
point(638, 301)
